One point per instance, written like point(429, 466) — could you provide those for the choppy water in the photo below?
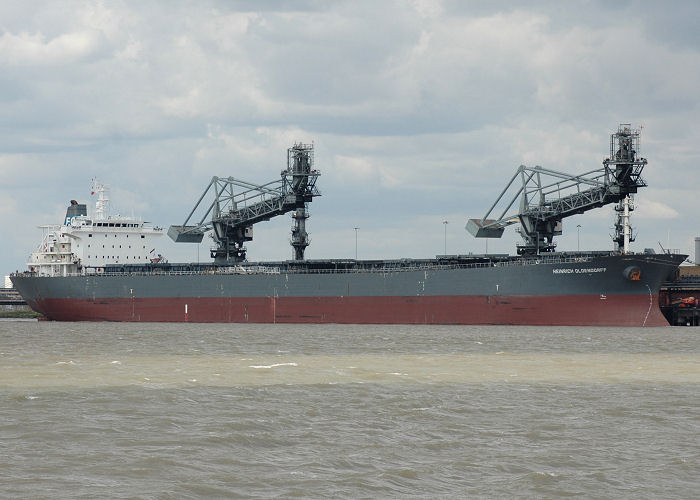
point(105, 410)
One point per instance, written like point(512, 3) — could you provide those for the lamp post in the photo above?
point(578, 237)
point(444, 223)
point(356, 242)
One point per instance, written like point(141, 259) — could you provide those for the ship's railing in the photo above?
point(266, 269)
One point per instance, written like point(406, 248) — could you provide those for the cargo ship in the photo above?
point(102, 268)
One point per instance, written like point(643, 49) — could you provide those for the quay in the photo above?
point(679, 299)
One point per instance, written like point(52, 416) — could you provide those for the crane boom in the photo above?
point(237, 205)
point(548, 196)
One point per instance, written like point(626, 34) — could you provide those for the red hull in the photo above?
point(572, 310)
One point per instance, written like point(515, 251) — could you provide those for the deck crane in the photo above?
point(548, 196)
point(237, 205)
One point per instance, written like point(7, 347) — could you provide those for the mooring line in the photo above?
point(651, 301)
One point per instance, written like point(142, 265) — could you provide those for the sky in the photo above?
point(420, 112)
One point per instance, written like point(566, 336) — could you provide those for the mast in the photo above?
point(300, 161)
point(102, 203)
point(623, 163)
point(623, 230)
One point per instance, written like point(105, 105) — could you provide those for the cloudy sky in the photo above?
point(420, 112)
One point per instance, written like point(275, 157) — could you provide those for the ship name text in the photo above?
point(576, 270)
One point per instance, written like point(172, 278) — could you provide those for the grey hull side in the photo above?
point(602, 276)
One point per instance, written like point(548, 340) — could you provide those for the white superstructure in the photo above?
point(84, 244)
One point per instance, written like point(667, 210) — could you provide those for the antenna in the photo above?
point(102, 203)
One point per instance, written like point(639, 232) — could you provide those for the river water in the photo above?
point(136, 410)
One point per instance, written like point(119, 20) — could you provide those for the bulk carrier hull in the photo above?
point(584, 289)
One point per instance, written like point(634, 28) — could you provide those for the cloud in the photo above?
point(650, 209)
point(417, 110)
point(8, 204)
point(25, 49)
point(355, 169)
